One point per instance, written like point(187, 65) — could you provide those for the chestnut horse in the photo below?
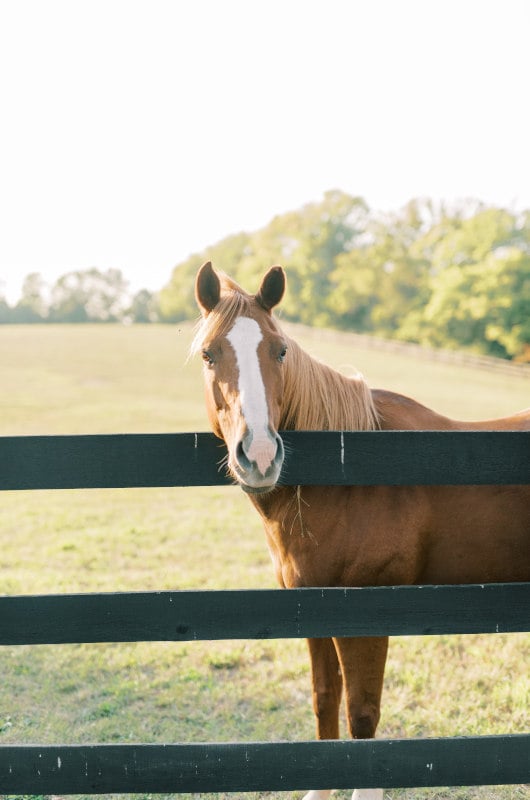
point(259, 381)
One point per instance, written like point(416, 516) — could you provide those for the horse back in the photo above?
point(398, 412)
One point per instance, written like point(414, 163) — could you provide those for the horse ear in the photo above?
point(207, 288)
point(272, 288)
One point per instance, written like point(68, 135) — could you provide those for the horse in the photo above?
point(258, 381)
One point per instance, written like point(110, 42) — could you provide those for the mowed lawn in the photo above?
point(102, 379)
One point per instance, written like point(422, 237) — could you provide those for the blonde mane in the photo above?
point(319, 398)
point(316, 396)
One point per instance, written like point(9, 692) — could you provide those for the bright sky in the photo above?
point(135, 132)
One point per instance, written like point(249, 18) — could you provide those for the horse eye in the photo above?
point(282, 354)
point(207, 358)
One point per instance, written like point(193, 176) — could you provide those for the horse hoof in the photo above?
point(367, 794)
point(318, 794)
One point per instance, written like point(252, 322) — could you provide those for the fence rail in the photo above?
point(191, 459)
point(268, 614)
point(284, 766)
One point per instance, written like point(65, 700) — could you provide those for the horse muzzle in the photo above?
point(257, 463)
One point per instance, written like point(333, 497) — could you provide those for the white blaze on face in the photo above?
point(245, 337)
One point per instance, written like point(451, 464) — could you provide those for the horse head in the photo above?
point(243, 351)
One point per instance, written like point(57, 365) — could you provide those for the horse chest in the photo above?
point(346, 541)
point(303, 553)
point(296, 566)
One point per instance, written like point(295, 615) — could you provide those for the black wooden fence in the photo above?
point(60, 462)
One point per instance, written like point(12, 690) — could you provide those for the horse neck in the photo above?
point(316, 397)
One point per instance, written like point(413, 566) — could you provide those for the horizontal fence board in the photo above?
point(264, 614)
point(193, 459)
point(198, 768)
point(110, 461)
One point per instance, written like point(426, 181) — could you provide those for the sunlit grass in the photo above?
point(90, 379)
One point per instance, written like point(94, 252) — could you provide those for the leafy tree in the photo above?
point(382, 280)
point(316, 237)
point(6, 312)
point(480, 286)
point(89, 296)
point(509, 324)
point(32, 306)
point(143, 307)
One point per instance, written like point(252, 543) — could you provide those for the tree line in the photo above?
point(453, 277)
point(80, 296)
point(446, 276)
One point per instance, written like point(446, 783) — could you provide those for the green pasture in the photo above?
point(100, 379)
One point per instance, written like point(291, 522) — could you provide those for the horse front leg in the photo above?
point(362, 663)
point(326, 681)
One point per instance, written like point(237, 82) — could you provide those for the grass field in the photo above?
point(99, 379)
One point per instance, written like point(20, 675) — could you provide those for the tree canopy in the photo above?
point(445, 276)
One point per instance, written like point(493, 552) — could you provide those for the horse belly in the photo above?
point(478, 534)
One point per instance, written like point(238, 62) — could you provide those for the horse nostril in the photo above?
point(242, 457)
